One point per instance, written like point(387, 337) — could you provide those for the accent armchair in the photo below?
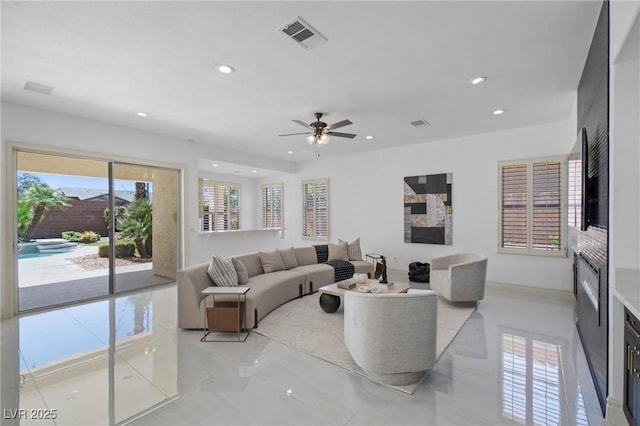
point(392, 337)
point(459, 277)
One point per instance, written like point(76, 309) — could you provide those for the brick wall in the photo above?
point(83, 215)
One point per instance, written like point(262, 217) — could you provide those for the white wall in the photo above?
point(366, 190)
point(45, 130)
point(366, 199)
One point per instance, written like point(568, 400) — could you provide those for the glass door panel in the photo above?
point(61, 202)
point(146, 248)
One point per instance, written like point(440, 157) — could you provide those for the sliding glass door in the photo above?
point(87, 228)
point(146, 224)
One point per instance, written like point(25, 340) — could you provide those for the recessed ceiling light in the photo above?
point(226, 69)
point(477, 80)
point(215, 165)
point(254, 171)
point(289, 152)
point(498, 112)
point(368, 137)
point(142, 114)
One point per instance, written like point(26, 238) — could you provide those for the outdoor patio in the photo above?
point(55, 278)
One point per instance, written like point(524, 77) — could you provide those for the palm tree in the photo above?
point(41, 198)
point(25, 217)
point(137, 224)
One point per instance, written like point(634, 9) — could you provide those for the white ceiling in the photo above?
point(385, 64)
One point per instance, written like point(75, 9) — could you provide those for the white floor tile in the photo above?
point(157, 374)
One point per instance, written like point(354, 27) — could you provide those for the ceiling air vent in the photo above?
point(38, 88)
point(302, 33)
point(419, 123)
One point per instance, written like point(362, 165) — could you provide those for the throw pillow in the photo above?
point(222, 272)
point(241, 270)
point(288, 258)
point(353, 248)
point(338, 251)
point(271, 261)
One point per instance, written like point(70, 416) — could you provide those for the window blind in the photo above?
point(532, 207)
point(574, 193)
point(219, 206)
point(514, 206)
point(272, 205)
point(547, 221)
point(315, 209)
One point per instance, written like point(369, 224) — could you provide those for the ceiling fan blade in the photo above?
point(342, 135)
point(339, 124)
point(292, 134)
point(302, 123)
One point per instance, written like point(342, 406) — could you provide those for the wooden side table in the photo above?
point(224, 316)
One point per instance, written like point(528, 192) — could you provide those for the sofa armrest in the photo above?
point(440, 263)
point(191, 281)
point(468, 272)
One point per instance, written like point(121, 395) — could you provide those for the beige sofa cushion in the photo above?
point(271, 261)
point(338, 251)
point(252, 263)
point(316, 276)
point(243, 275)
point(222, 272)
point(306, 255)
point(362, 267)
point(288, 258)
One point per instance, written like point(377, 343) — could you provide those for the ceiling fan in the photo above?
point(320, 131)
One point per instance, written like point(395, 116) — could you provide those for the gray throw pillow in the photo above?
point(338, 251)
point(222, 272)
point(288, 258)
point(241, 270)
point(271, 261)
point(353, 248)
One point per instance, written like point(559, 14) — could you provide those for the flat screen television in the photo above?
point(577, 189)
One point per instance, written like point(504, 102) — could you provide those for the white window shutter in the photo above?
point(547, 206)
point(514, 206)
point(532, 208)
point(315, 209)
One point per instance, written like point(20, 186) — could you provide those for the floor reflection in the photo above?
point(533, 383)
point(77, 360)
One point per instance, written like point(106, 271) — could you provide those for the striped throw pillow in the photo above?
point(354, 249)
point(222, 272)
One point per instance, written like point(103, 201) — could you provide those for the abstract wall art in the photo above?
point(427, 209)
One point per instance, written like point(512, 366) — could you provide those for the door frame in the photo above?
point(9, 287)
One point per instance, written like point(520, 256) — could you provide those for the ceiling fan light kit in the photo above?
point(321, 133)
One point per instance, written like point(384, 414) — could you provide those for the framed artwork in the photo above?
point(427, 209)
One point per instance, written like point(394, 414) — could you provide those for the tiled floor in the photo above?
point(517, 360)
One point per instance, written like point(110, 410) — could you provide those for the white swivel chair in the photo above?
point(392, 337)
point(459, 277)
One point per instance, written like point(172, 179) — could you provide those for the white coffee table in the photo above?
point(331, 295)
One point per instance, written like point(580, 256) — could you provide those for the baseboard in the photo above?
point(615, 414)
point(564, 294)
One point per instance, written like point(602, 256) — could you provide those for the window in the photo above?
point(219, 206)
point(272, 205)
point(531, 207)
point(315, 209)
point(574, 192)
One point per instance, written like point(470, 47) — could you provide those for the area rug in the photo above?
point(303, 325)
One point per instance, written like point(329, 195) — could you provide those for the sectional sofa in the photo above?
point(272, 284)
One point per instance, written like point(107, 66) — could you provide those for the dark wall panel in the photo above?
point(593, 115)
